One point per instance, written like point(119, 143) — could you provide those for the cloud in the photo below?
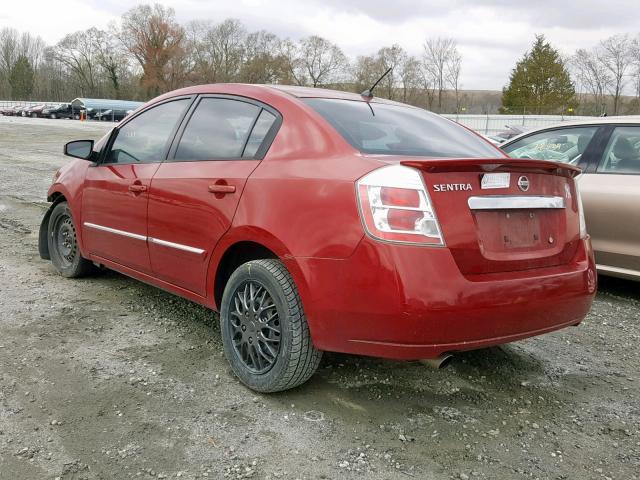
point(491, 34)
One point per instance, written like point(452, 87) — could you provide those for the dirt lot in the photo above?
point(108, 378)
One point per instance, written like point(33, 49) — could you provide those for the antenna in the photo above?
point(369, 92)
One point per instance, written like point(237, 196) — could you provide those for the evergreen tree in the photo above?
point(540, 83)
point(21, 78)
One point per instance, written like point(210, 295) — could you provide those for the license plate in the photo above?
point(495, 180)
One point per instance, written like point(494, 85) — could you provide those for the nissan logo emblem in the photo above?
point(523, 183)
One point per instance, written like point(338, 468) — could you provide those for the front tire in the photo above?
point(63, 244)
point(265, 333)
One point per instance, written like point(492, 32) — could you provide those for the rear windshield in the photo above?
point(398, 130)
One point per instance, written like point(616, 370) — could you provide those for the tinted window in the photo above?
point(218, 129)
point(564, 145)
point(400, 130)
point(622, 154)
point(144, 138)
point(258, 134)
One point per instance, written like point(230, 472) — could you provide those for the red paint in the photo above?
point(360, 295)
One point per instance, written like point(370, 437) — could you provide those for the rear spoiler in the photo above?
point(494, 165)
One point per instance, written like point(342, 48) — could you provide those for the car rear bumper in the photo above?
point(408, 302)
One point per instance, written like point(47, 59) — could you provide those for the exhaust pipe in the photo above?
point(438, 362)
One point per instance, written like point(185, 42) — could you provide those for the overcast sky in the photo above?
point(491, 34)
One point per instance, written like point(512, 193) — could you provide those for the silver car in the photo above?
point(608, 152)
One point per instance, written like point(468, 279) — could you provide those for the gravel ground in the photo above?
point(108, 378)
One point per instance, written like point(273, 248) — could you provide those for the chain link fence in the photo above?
point(493, 124)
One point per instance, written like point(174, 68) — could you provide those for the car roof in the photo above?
point(619, 120)
point(290, 90)
point(314, 92)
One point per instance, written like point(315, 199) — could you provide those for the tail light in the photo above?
point(395, 206)
point(583, 224)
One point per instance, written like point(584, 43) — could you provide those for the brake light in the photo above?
point(395, 206)
point(583, 223)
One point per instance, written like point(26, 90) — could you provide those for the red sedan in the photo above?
point(318, 220)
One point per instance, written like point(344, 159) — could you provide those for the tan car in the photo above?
point(608, 151)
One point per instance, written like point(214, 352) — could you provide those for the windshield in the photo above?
point(400, 130)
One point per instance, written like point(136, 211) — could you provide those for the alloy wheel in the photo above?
point(255, 327)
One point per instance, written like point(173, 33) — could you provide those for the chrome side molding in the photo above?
point(177, 246)
point(157, 241)
point(513, 202)
point(115, 231)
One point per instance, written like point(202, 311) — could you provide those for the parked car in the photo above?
point(26, 111)
point(18, 111)
point(110, 115)
point(8, 111)
point(318, 220)
point(608, 152)
point(35, 111)
point(62, 110)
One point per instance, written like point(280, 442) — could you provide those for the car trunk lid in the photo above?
point(500, 215)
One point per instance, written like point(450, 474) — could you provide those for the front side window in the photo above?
point(144, 138)
point(565, 145)
point(218, 130)
point(379, 128)
point(622, 154)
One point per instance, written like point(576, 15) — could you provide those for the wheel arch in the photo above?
point(235, 255)
point(43, 245)
point(240, 245)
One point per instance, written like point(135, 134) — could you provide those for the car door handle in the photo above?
point(135, 188)
point(221, 188)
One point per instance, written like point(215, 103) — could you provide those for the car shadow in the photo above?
point(619, 286)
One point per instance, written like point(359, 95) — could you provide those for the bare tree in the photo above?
point(615, 55)
point(9, 39)
point(410, 79)
point(154, 38)
point(635, 58)
point(391, 57)
point(454, 66)
point(323, 61)
point(79, 53)
point(225, 43)
point(592, 76)
point(217, 51)
point(262, 60)
point(294, 62)
point(111, 58)
point(436, 58)
point(364, 72)
point(428, 84)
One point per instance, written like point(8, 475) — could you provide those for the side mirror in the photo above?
point(79, 149)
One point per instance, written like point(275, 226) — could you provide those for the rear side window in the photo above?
point(259, 133)
point(144, 138)
point(564, 145)
point(218, 129)
point(379, 128)
point(622, 154)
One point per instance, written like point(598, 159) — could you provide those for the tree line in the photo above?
point(149, 52)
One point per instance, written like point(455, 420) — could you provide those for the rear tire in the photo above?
point(265, 333)
point(63, 244)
